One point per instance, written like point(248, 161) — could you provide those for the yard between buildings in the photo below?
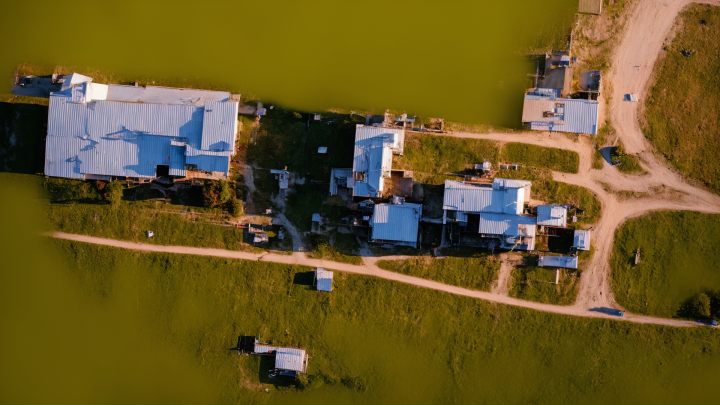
point(678, 260)
point(683, 107)
point(538, 284)
point(476, 273)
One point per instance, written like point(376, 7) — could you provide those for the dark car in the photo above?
point(708, 322)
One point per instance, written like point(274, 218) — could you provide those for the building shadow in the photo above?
point(305, 278)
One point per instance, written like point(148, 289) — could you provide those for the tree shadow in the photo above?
point(305, 278)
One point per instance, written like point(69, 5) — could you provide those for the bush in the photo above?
point(216, 193)
point(701, 306)
point(114, 192)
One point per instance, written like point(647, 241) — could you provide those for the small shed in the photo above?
point(322, 150)
point(590, 6)
point(316, 219)
point(289, 361)
point(283, 177)
point(567, 262)
point(552, 215)
point(581, 240)
point(323, 279)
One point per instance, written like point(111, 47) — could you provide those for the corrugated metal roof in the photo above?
point(126, 139)
point(467, 197)
point(568, 262)
point(581, 240)
point(397, 223)
point(590, 6)
point(552, 215)
point(570, 115)
point(74, 78)
point(503, 224)
point(219, 126)
point(286, 358)
point(336, 173)
point(365, 133)
point(164, 95)
point(324, 279)
point(510, 183)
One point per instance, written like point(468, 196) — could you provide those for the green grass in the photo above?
point(158, 327)
point(629, 165)
point(560, 160)
point(678, 259)
point(546, 189)
point(475, 273)
point(432, 155)
point(534, 284)
point(344, 248)
point(683, 107)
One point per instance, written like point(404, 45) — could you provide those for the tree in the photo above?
point(210, 195)
point(701, 305)
point(114, 192)
point(225, 191)
point(235, 207)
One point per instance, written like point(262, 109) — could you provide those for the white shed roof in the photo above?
point(396, 222)
point(286, 358)
point(568, 262)
point(467, 197)
point(552, 215)
point(581, 240)
point(323, 278)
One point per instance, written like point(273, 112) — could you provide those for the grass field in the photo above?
point(162, 326)
point(534, 284)
point(683, 107)
point(678, 259)
point(470, 272)
point(560, 160)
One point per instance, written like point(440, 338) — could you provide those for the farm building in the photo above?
point(490, 213)
point(282, 176)
point(396, 224)
point(546, 112)
point(323, 279)
point(590, 6)
point(590, 80)
point(372, 162)
point(514, 183)
point(552, 215)
point(340, 178)
point(289, 361)
point(581, 240)
point(558, 79)
point(567, 262)
point(98, 131)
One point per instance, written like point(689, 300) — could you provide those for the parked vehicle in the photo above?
point(708, 322)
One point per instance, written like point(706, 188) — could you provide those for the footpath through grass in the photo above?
point(476, 273)
point(678, 259)
point(538, 284)
point(683, 107)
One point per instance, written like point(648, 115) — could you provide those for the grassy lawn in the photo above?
point(560, 160)
point(678, 259)
point(629, 165)
point(475, 273)
point(344, 247)
point(546, 189)
point(170, 320)
point(534, 284)
point(683, 108)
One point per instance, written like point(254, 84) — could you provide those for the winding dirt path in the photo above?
point(662, 188)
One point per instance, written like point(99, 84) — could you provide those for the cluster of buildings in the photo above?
point(108, 132)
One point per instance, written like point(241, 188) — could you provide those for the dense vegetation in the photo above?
point(470, 272)
point(538, 284)
point(678, 261)
point(683, 108)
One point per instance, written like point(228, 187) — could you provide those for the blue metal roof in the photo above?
point(397, 223)
point(130, 139)
point(323, 279)
point(581, 240)
point(552, 215)
point(502, 224)
point(374, 147)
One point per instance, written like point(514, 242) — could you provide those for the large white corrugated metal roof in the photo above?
point(164, 95)
point(396, 222)
point(581, 240)
point(130, 139)
point(568, 262)
point(570, 115)
point(374, 148)
point(552, 215)
point(467, 197)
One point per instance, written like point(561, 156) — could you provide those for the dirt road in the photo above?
point(662, 188)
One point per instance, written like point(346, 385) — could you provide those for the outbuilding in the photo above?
point(581, 240)
point(323, 279)
point(289, 361)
